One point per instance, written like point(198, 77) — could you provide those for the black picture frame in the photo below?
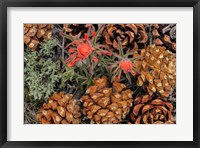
point(99, 3)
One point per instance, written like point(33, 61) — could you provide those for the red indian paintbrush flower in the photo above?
point(126, 65)
point(79, 53)
point(84, 50)
point(122, 63)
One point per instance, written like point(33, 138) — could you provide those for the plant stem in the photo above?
point(63, 49)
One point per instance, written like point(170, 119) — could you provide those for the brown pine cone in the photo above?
point(130, 35)
point(80, 29)
point(34, 33)
point(148, 110)
point(165, 35)
point(106, 105)
point(158, 70)
point(60, 109)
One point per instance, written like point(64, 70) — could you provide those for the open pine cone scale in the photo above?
point(105, 105)
point(34, 33)
point(60, 109)
point(127, 34)
point(149, 110)
point(157, 70)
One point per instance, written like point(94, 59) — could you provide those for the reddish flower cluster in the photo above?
point(83, 50)
point(127, 66)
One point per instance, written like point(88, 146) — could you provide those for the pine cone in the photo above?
point(148, 110)
point(60, 109)
point(33, 33)
point(80, 29)
point(158, 70)
point(164, 34)
point(105, 105)
point(130, 35)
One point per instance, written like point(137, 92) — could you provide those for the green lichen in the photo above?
point(40, 71)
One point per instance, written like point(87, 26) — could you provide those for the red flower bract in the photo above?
point(126, 65)
point(95, 59)
point(94, 34)
point(107, 53)
point(71, 64)
point(118, 77)
point(84, 50)
point(86, 36)
point(71, 50)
